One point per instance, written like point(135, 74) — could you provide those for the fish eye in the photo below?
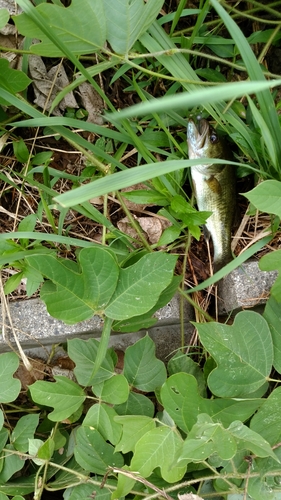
point(213, 137)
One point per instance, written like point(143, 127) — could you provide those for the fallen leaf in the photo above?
point(92, 102)
point(46, 89)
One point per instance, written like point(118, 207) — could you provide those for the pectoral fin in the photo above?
point(214, 184)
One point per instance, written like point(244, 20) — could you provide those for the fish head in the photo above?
point(203, 141)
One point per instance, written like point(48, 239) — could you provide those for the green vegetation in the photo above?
point(208, 424)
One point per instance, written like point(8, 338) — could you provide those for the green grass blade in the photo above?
point(238, 261)
point(128, 178)
point(264, 98)
point(203, 96)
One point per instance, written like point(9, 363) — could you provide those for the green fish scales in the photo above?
point(214, 187)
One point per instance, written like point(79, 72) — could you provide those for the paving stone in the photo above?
point(36, 328)
point(246, 287)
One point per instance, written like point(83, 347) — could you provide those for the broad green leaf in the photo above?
point(127, 20)
point(146, 320)
point(134, 427)
point(9, 386)
point(23, 431)
point(4, 17)
point(141, 367)
point(243, 353)
point(1, 421)
point(12, 80)
point(182, 401)
point(259, 489)
point(46, 451)
point(183, 363)
point(83, 353)
point(74, 296)
point(267, 420)
point(102, 418)
point(136, 404)
point(81, 26)
point(270, 262)
point(12, 464)
point(65, 396)
point(266, 197)
point(251, 440)
point(272, 316)
point(140, 285)
point(151, 452)
point(33, 447)
point(115, 390)
point(87, 491)
point(93, 453)
point(124, 485)
point(18, 486)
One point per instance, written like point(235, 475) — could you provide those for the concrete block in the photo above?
point(36, 329)
point(246, 287)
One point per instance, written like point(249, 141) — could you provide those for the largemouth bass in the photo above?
point(214, 187)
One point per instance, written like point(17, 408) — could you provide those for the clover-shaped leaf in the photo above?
point(182, 401)
point(81, 26)
point(75, 293)
point(243, 353)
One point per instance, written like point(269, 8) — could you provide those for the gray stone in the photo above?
point(36, 329)
point(246, 287)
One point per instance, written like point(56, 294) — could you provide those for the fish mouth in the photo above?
point(198, 132)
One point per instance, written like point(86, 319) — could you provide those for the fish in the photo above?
point(214, 187)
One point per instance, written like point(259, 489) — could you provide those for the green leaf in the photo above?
point(64, 396)
point(81, 26)
point(83, 353)
point(267, 420)
point(93, 453)
point(134, 427)
point(251, 440)
point(272, 316)
point(75, 295)
point(136, 404)
point(9, 386)
point(46, 451)
point(182, 401)
point(12, 80)
point(86, 491)
point(205, 439)
point(12, 464)
point(141, 367)
point(243, 353)
point(266, 197)
point(21, 151)
point(13, 282)
point(146, 197)
point(102, 418)
point(114, 390)
point(183, 363)
point(270, 262)
point(140, 285)
point(4, 17)
point(127, 20)
point(23, 431)
point(1, 421)
point(151, 452)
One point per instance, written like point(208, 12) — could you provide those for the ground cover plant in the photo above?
point(208, 424)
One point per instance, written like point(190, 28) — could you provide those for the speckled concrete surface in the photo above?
point(35, 328)
point(246, 287)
